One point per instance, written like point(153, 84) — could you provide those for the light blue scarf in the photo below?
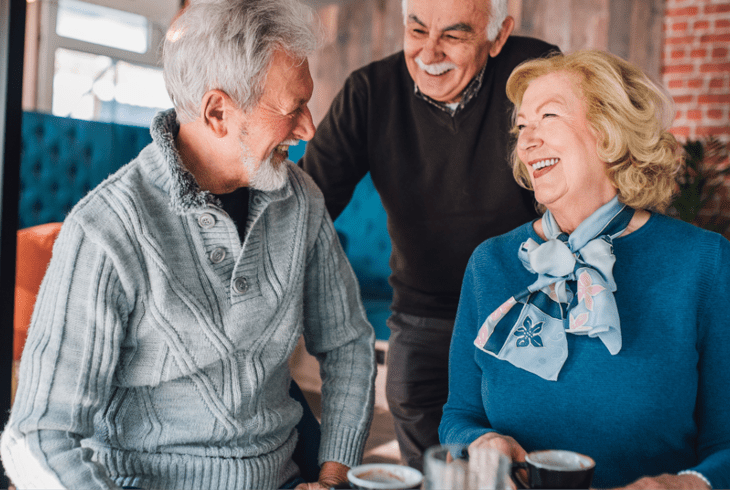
point(573, 293)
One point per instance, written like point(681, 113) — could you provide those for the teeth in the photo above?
point(545, 163)
point(282, 148)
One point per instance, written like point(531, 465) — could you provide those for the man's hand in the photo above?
point(674, 482)
point(331, 474)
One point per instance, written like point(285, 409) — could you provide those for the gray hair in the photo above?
point(228, 45)
point(498, 11)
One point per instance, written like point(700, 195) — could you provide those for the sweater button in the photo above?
point(240, 285)
point(206, 220)
point(217, 255)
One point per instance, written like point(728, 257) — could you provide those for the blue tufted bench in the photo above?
point(62, 159)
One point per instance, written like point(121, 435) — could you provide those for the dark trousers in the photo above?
point(417, 382)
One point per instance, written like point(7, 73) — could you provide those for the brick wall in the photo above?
point(696, 66)
point(696, 71)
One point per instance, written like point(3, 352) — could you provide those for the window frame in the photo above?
point(50, 41)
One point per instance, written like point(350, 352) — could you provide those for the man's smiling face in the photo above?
point(446, 45)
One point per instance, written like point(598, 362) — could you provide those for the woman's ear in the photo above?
point(215, 111)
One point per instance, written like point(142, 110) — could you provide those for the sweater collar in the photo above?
point(185, 194)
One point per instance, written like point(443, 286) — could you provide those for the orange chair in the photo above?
point(35, 245)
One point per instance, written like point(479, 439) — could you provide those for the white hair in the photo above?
point(498, 11)
point(228, 45)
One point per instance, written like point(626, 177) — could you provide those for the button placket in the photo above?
point(206, 220)
point(217, 255)
point(240, 285)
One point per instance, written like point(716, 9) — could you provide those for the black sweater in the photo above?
point(444, 181)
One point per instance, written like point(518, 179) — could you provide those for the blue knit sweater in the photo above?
point(661, 405)
point(158, 352)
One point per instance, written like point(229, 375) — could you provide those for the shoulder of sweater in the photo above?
point(304, 186)
point(683, 235)
point(383, 65)
point(519, 48)
point(507, 243)
point(383, 71)
point(99, 209)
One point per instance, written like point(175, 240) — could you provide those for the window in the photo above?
point(102, 25)
point(100, 63)
point(100, 88)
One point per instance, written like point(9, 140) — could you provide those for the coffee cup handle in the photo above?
point(519, 465)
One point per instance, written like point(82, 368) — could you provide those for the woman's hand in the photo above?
point(331, 475)
point(505, 444)
point(666, 481)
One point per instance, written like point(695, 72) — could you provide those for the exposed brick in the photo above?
point(715, 67)
point(719, 53)
point(713, 131)
point(715, 38)
point(679, 40)
point(698, 53)
point(675, 83)
point(689, 11)
point(717, 9)
point(679, 69)
point(695, 83)
point(677, 54)
point(713, 99)
point(679, 27)
point(702, 24)
point(680, 131)
point(717, 83)
point(683, 99)
point(694, 115)
point(722, 23)
point(714, 114)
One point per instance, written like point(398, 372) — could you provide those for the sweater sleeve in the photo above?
point(713, 398)
point(66, 369)
point(336, 157)
point(338, 334)
point(464, 418)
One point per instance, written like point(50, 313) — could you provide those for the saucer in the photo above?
point(382, 476)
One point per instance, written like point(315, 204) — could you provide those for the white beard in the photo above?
point(263, 176)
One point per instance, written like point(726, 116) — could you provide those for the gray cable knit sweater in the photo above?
point(157, 354)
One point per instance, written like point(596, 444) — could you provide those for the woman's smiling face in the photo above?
point(558, 145)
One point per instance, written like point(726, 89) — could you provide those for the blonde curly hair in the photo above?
point(631, 116)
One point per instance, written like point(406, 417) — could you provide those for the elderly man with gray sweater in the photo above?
point(157, 354)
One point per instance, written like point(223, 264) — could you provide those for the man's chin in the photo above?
point(271, 175)
point(437, 88)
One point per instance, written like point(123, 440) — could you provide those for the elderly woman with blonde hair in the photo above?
point(602, 327)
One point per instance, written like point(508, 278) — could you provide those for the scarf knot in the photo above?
point(573, 293)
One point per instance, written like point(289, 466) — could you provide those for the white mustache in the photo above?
point(436, 68)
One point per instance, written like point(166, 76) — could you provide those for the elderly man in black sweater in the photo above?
point(431, 125)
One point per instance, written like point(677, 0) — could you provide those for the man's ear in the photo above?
point(507, 27)
point(215, 111)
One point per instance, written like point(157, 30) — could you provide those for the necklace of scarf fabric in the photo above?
point(573, 293)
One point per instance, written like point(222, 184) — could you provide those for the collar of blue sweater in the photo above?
point(186, 196)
